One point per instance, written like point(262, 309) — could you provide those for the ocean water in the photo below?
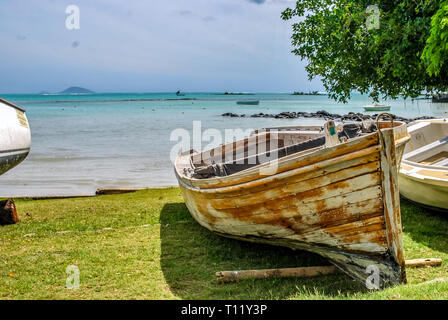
point(84, 142)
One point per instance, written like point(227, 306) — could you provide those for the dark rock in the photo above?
point(351, 116)
point(8, 212)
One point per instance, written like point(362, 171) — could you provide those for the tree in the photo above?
point(348, 56)
point(435, 54)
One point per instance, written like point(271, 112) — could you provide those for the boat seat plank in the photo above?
point(426, 148)
point(438, 159)
point(443, 163)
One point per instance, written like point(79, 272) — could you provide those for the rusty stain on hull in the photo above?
point(340, 202)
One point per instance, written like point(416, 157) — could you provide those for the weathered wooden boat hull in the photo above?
point(15, 137)
point(340, 202)
point(423, 176)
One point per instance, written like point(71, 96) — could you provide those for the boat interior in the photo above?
point(271, 144)
point(429, 144)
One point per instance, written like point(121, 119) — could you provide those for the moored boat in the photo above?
point(331, 192)
point(440, 97)
point(15, 136)
point(248, 102)
point(424, 169)
point(377, 107)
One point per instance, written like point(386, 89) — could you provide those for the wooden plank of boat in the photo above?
point(15, 136)
point(341, 202)
point(248, 102)
point(423, 176)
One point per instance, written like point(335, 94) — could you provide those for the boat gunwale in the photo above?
point(433, 181)
point(424, 166)
point(10, 104)
point(203, 184)
point(284, 174)
point(249, 172)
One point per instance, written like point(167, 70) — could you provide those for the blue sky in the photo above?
point(149, 46)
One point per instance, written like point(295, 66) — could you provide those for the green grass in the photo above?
point(145, 245)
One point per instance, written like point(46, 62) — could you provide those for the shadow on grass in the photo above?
point(191, 255)
point(425, 226)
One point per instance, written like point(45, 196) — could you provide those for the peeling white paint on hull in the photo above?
point(340, 202)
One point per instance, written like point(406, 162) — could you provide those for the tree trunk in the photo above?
point(8, 212)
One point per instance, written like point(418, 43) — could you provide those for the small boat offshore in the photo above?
point(248, 102)
point(333, 192)
point(376, 107)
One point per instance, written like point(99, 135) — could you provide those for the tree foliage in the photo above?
point(333, 37)
point(435, 54)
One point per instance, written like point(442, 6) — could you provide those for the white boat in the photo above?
point(377, 107)
point(15, 136)
point(423, 174)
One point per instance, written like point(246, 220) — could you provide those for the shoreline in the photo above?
point(97, 193)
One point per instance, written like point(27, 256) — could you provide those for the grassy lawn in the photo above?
point(145, 245)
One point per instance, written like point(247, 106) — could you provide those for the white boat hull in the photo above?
point(424, 191)
point(15, 136)
point(423, 176)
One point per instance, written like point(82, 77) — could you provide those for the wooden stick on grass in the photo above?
point(304, 272)
point(423, 262)
point(231, 276)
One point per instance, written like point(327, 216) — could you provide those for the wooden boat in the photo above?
point(306, 190)
point(15, 137)
point(424, 170)
point(376, 107)
point(248, 102)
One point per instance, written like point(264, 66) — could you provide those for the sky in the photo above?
point(149, 46)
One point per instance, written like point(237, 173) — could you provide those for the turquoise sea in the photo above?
point(84, 142)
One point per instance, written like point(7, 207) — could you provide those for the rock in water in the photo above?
point(8, 212)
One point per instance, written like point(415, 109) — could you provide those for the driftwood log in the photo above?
point(304, 272)
point(111, 191)
point(423, 262)
point(8, 212)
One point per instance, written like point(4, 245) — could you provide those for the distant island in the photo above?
point(76, 90)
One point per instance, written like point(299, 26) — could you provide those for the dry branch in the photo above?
point(304, 272)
